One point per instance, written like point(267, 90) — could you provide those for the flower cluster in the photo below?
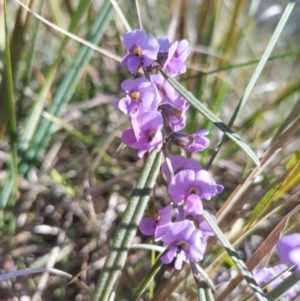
point(152, 103)
point(288, 249)
point(265, 275)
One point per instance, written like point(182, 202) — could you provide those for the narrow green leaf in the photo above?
point(146, 280)
point(130, 220)
point(256, 73)
point(235, 257)
point(68, 85)
point(263, 203)
point(35, 115)
point(210, 116)
point(8, 118)
point(245, 64)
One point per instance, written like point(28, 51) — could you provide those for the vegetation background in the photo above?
point(64, 179)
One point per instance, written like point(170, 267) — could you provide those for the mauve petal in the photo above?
point(219, 188)
point(181, 184)
point(142, 152)
point(169, 256)
point(116, 103)
point(286, 244)
point(133, 64)
point(156, 140)
point(147, 226)
point(127, 106)
point(126, 58)
point(262, 276)
point(205, 184)
point(180, 258)
point(133, 38)
point(177, 162)
point(150, 121)
point(193, 165)
point(172, 51)
point(294, 256)
point(147, 61)
point(177, 231)
point(150, 48)
point(166, 91)
point(193, 205)
point(203, 225)
point(164, 44)
point(128, 85)
point(175, 67)
point(182, 230)
point(197, 246)
point(128, 137)
point(165, 215)
point(183, 50)
point(161, 231)
point(200, 143)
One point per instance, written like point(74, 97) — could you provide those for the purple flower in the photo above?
point(151, 226)
point(191, 143)
point(198, 220)
point(190, 186)
point(166, 91)
point(141, 50)
point(180, 163)
point(204, 226)
point(265, 275)
point(177, 53)
point(172, 105)
point(184, 243)
point(142, 96)
point(288, 249)
point(146, 133)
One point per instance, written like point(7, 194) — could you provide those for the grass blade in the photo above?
point(35, 115)
point(235, 257)
point(256, 73)
point(146, 280)
point(68, 84)
point(8, 119)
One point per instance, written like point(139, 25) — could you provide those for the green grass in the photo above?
point(65, 178)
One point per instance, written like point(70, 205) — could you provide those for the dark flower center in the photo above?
point(183, 245)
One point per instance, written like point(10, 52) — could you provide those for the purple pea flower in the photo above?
point(141, 50)
point(146, 133)
point(204, 226)
point(265, 275)
point(165, 90)
point(180, 163)
point(191, 143)
point(177, 54)
point(190, 186)
point(172, 105)
point(156, 227)
point(198, 220)
point(142, 96)
point(184, 243)
point(288, 249)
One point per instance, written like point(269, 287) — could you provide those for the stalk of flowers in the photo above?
point(153, 104)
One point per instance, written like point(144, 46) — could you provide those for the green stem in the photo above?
point(130, 220)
